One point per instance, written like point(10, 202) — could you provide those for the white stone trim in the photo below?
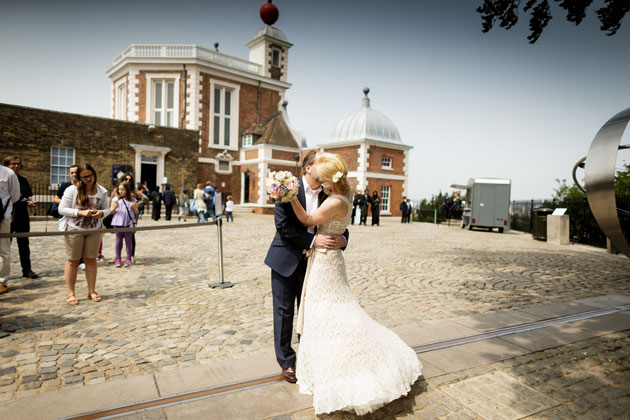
point(160, 152)
point(406, 172)
point(234, 117)
point(368, 142)
point(133, 101)
point(385, 176)
point(263, 170)
point(121, 81)
point(149, 95)
point(193, 103)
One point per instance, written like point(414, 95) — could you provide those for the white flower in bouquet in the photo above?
point(282, 186)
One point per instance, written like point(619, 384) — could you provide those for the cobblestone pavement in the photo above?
point(160, 314)
point(586, 380)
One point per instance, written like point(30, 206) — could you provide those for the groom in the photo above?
point(287, 259)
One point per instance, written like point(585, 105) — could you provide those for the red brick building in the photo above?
point(377, 158)
point(221, 97)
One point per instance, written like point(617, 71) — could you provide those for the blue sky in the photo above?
point(471, 104)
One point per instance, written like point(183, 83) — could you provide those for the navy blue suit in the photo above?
point(288, 263)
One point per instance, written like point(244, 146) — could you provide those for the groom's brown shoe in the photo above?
point(289, 375)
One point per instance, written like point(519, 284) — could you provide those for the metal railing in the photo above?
point(583, 228)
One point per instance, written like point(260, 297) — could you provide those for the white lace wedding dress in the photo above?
point(346, 360)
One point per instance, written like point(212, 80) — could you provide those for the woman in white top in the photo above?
point(200, 203)
point(84, 207)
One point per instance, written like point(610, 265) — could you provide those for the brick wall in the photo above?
point(349, 153)
point(102, 142)
point(283, 155)
point(251, 154)
point(375, 160)
point(395, 192)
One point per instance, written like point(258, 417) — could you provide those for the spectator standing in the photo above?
point(209, 195)
point(456, 207)
point(200, 203)
point(403, 210)
point(169, 201)
point(376, 208)
point(355, 205)
point(409, 210)
point(21, 221)
point(229, 208)
point(364, 205)
point(143, 198)
point(9, 194)
point(182, 203)
point(156, 200)
point(123, 210)
point(446, 206)
point(84, 207)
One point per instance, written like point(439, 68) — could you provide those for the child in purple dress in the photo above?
point(123, 212)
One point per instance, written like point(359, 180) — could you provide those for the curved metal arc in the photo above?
point(600, 178)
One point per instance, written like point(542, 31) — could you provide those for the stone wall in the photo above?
point(102, 142)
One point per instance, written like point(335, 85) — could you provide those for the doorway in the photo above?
point(246, 186)
point(149, 175)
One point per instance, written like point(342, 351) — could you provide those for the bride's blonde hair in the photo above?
point(328, 167)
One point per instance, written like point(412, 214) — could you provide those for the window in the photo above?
point(223, 131)
point(248, 140)
point(386, 162)
point(164, 103)
point(385, 192)
point(275, 58)
point(121, 101)
point(61, 158)
point(224, 165)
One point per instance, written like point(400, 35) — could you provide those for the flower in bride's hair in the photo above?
point(336, 177)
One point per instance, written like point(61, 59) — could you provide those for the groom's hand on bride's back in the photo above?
point(329, 241)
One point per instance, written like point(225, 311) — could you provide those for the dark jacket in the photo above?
point(169, 198)
point(292, 237)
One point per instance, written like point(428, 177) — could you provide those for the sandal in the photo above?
point(72, 300)
point(95, 297)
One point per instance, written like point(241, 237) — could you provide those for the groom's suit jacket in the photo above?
point(292, 237)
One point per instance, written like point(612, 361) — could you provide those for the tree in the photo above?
point(622, 181)
point(507, 11)
point(566, 192)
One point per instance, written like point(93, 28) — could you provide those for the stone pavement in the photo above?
point(160, 314)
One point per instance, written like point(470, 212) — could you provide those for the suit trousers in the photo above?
point(286, 291)
point(23, 224)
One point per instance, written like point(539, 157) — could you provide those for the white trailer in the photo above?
point(487, 203)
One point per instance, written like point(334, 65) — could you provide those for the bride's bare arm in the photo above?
point(331, 208)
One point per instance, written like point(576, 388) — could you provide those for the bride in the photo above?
point(346, 360)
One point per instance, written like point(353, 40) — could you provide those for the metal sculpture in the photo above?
point(599, 167)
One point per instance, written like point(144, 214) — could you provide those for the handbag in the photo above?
point(53, 210)
point(132, 220)
point(107, 221)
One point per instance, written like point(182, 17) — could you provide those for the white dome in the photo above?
point(271, 31)
point(365, 124)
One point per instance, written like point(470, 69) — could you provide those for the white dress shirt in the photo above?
point(9, 190)
point(312, 200)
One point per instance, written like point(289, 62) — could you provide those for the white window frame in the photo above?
point(248, 140)
point(120, 91)
point(387, 163)
point(234, 115)
point(150, 100)
point(276, 50)
point(62, 175)
point(386, 193)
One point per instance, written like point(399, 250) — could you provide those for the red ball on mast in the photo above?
point(269, 13)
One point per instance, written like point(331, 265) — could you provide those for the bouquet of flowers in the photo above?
point(282, 186)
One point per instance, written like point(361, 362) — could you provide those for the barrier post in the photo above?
point(222, 284)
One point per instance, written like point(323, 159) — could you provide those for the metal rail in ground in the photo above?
point(186, 397)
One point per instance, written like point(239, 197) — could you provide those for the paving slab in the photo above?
point(607, 301)
point(82, 399)
point(193, 378)
point(252, 404)
point(557, 309)
point(496, 320)
point(549, 337)
point(499, 396)
point(469, 355)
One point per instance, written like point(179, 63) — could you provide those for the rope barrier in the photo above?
point(219, 223)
